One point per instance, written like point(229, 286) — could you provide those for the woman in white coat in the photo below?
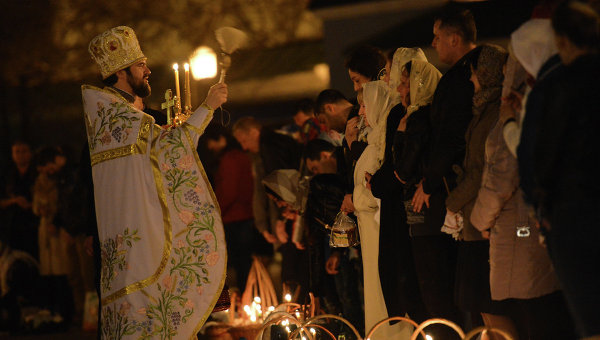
point(377, 101)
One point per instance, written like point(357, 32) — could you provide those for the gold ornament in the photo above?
point(115, 50)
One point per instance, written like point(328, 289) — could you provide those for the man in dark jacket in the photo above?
point(326, 193)
point(342, 116)
point(451, 111)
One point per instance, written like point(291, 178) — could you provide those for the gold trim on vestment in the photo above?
point(142, 139)
point(131, 288)
point(212, 305)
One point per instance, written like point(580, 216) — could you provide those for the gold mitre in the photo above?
point(115, 50)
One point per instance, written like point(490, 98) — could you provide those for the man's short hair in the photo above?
point(579, 23)
point(329, 96)
point(366, 60)
point(245, 124)
point(305, 105)
point(313, 149)
point(460, 21)
point(46, 155)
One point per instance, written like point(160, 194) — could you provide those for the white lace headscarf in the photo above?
point(424, 78)
point(401, 57)
point(533, 44)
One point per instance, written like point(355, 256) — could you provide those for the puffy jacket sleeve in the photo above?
point(499, 182)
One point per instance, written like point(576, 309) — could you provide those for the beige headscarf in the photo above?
point(401, 57)
point(533, 44)
point(424, 78)
point(378, 103)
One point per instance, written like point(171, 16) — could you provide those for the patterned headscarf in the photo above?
point(401, 57)
point(424, 78)
point(489, 73)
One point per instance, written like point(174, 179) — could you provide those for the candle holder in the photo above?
point(176, 115)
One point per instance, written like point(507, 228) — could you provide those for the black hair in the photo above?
point(579, 23)
point(461, 21)
point(408, 66)
point(305, 105)
point(112, 79)
point(313, 149)
point(214, 131)
point(366, 60)
point(329, 96)
point(473, 58)
point(45, 155)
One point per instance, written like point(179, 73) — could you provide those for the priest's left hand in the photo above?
point(217, 95)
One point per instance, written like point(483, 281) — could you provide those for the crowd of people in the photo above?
point(473, 191)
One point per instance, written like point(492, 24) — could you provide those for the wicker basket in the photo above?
point(249, 332)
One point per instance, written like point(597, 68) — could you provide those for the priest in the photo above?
point(160, 230)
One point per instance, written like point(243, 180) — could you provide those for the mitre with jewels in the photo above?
point(115, 50)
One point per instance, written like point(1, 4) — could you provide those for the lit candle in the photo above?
point(287, 297)
point(188, 91)
point(177, 91)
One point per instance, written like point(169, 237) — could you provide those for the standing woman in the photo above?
point(377, 104)
point(416, 87)
point(472, 290)
point(396, 265)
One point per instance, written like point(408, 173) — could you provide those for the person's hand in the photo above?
point(368, 177)
point(398, 177)
point(332, 264)
point(513, 103)
point(347, 205)
point(282, 235)
point(351, 133)
point(485, 234)
point(289, 214)
point(269, 237)
point(88, 244)
point(420, 198)
point(22, 202)
point(299, 245)
point(217, 95)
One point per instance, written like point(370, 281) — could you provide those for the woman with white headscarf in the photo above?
point(377, 104)
point(396, 265)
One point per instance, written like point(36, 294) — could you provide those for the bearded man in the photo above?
point(159, 225)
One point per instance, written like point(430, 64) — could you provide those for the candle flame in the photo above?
point(186, 66)
point(175, 66)
point(257, 299)
point(288, 297)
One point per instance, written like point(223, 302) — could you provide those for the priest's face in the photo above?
point(137, 78)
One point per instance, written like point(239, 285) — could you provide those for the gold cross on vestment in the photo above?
point(168, 104)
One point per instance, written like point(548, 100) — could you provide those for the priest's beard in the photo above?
point(139, 86)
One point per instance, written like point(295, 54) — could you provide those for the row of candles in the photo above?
point(254, 312)
point(186, 85)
